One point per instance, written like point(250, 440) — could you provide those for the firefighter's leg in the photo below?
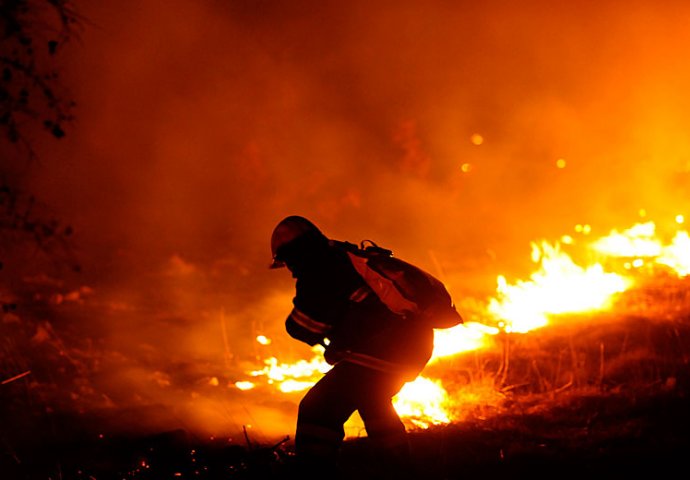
point(388, 437)
point(322, 413)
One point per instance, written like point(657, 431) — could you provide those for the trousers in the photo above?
point(323, 411)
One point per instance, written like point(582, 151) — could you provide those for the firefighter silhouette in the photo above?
point(372, 351)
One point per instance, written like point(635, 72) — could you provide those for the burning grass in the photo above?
point(599, 395)
point(542, 391)
point(604, 397)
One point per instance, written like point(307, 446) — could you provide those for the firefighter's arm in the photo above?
point(304, 328)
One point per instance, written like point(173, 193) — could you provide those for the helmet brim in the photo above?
point(276, 264)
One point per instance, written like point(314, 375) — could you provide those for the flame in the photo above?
point(293, 377)
point(424, 402)
point(462, 338)
point(677, 255)
point(559, 285)
point(245, 385)
point(640, 242)
point(637, 241)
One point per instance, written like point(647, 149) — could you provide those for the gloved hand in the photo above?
point(332, 356)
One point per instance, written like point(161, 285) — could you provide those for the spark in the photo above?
point(476, 139)
point(584, 229)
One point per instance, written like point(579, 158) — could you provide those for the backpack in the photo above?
point(404, 288)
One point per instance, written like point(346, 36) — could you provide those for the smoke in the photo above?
point(202, 124)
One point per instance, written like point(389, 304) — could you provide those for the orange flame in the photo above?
point(641, 243)
point(559, 286)
point(424, 402)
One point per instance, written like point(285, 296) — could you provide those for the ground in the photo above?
point(588, 433)
point(604, 397)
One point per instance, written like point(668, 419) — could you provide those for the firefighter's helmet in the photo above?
point(287, 230)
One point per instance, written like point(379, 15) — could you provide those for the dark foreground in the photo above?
point(595, 435)
point(606, 398)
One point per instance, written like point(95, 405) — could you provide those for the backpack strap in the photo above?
point(383, 287)
point(370, 246)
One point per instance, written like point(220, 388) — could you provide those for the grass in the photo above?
point(603, 396)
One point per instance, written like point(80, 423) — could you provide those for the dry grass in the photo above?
point(602, 396)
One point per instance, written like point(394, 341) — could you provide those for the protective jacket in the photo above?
point(333, 302)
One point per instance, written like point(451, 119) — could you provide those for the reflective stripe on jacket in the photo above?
point(305, 321)
point(302, 327)
point(375, 363)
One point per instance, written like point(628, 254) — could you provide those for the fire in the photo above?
point(559, 285)
point(641, 243)
point(424, 402)
point(244, 385)
point(637, 241)
point(463, 338)
point(677, 255)
point(296, 376)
